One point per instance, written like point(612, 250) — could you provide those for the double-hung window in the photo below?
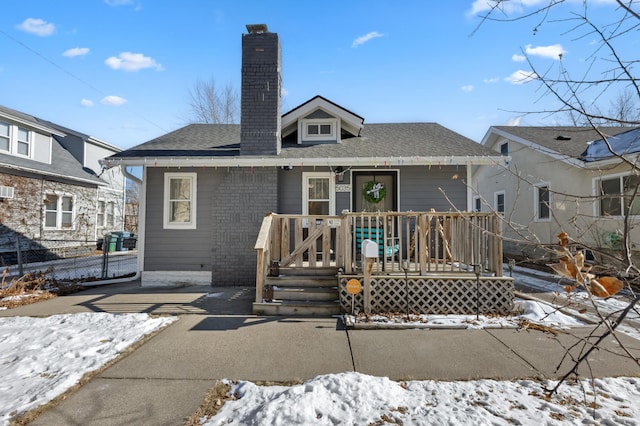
point(542, 200)
point(58, 211)
point(110, 214)
point(24, 142)
point(498, 202)
point(100, 215)
point(616, 195)
point(180, 200)
point(5, 140)
point(318, 194)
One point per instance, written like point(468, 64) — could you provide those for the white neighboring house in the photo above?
point(561, 179)
point(53, 193)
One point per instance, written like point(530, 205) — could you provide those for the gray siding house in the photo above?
point(207, 187)
point(53, 196)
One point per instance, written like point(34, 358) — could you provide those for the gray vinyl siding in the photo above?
point(420, 188)
point(179, 249)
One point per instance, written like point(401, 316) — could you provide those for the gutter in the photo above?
point(294, 162)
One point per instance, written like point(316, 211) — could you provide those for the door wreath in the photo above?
point(374, 192)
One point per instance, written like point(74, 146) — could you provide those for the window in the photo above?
point(504, 148)
point(477, 204)
point(616, 196)
point(498, 202)
point(322, 129)
point(23, 141)
point(100, 215)
point(542, 202)
point(318, 194)
point(5, 144)
point(110, 214)
point(180, 200)
point(58, 212)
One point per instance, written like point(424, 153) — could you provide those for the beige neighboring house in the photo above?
point(560, 179)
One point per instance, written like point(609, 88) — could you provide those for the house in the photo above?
point(54, 196)
point(560, 179)
point(207, 187)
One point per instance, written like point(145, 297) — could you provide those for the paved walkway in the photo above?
point(164, 381)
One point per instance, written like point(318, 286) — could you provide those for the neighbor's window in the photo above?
point(100, 215)
point(504, 148)
point(477, 204)
point(616, 196)
point(110, 214)
point(23, 141)
point(542, 202)
point(5, 144)
point(58, 211)
point(180, 200)
point(498, 202)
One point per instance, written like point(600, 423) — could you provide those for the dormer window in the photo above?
point(15, 139)
point(320, 129)
point(5, 144)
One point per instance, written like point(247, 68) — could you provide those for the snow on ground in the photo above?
point(358, 399)
point(40, 358)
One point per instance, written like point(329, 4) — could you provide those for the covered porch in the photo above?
point(426, 262)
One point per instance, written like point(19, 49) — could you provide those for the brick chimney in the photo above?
point(261, 86)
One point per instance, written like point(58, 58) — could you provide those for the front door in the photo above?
point(375, 191)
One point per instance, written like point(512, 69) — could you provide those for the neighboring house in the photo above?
point(207, 187)
point(53, 192)
point(560, 179)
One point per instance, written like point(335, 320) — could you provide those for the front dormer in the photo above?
point(320, 121)
point(25, 139)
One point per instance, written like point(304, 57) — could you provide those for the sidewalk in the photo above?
point(165, 380)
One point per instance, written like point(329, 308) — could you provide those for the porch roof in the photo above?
point(390, 143)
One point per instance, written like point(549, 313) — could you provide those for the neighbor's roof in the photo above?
point(63, 163)
point(397, 140)
point(568, 141)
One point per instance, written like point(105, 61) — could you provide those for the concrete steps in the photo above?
point(301, 292)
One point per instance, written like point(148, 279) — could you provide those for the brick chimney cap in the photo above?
point(257, 28)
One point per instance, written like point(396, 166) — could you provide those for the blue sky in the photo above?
point(121, 70)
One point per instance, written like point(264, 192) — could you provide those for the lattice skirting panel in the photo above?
point(433, 295)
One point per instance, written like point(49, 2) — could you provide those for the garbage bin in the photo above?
point(119, 237)
point(109, 242)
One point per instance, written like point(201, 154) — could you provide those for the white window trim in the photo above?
point(167, 224)
point(28, 142)
point(303, 126)
point(596, 193)
point(100, 224)
point(332, 190)
point(7, 137)
point(59, 212)
point(14, 142)
point(495, 201)
point(536, 201)
point(474, 201)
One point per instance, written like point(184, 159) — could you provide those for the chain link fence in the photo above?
point(68, 261)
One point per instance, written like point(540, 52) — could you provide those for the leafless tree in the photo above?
point(578, 95)
point(210, 104)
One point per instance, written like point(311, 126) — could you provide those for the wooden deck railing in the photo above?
point(423, 242)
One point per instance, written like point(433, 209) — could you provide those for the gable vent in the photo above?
point(6, 191)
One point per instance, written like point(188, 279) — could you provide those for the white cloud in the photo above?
point(554, 51)
point(113, 100)
point(37, 26)
point(518, 58)
point(521, 77)
point(76, 51)
point(86, 103)
point(128, 61)
point(515, 121)
point(491, 80)
point(467, 88)
point(365, 38)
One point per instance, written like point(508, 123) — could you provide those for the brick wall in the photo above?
point(260, 99)
point(241, 202)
